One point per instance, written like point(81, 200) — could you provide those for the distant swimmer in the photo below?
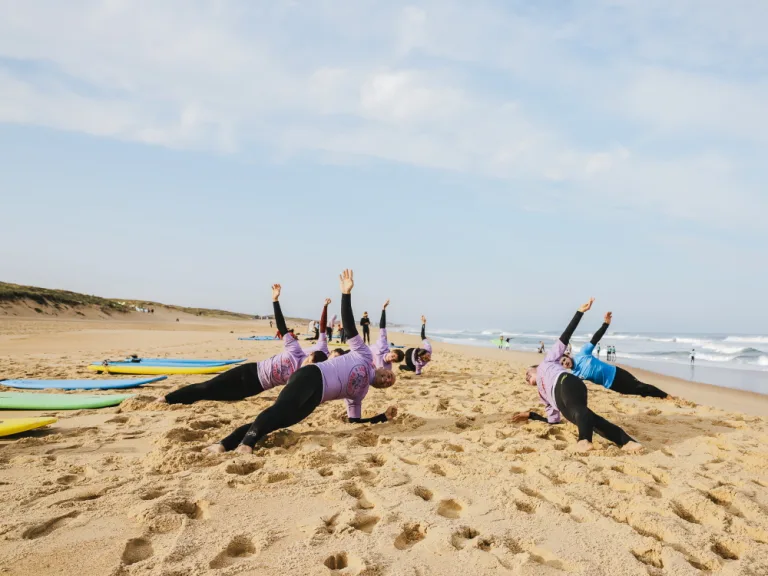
point(566, 394)
point(254, 378)
point(585, 366)
point(383, 356)
point(346, 377)
point(365, 322)
point(417, 358)
point(541, 347)
point(693, 355)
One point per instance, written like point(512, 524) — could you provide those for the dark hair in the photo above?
point(421, 353)
point(318, 356)
point(399, 355)
point(340, 351)
point(534, 366)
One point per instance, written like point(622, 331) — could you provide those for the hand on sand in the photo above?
point(276, 292)
point(632, 447)
point(161, 400)
point(386, 304)
point(327, 301)
point(608, 317)
point(243, 449)
point(216, 449)
point(521, 417)
point(391, 412)
point(347, 281)
point(583, 446)
point(586, 307)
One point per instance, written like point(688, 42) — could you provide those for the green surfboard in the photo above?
point(29, 401)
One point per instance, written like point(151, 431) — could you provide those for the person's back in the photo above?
point(588, 367)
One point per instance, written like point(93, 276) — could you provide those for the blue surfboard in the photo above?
point(112, 384)
point(258, 338)
point(175, 362)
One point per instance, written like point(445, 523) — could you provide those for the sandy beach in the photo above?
point(451, 487)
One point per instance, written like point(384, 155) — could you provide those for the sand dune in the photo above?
point(450, 487)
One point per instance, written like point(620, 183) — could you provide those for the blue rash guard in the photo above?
point(587, 367)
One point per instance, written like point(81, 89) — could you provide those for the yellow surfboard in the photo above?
point(15, 425)
point(137, 368)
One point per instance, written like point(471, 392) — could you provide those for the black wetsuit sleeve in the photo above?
point(383, 321)
point(537, 417)
point(423, 331)
point(324, 319)
point(348, 317)
point(599, 334)
point(279, 320)
point(566, 336)
point(373, 420)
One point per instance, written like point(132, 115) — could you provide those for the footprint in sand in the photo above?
point(45, 528)
point(423, 493)
point(243, 468)
point(463, 536)
point(238, 548)
point(363, 502)
point(136, 550)
point(449, 509)
point(365, 523)
point(411, 535)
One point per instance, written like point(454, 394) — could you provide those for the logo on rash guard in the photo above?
point(358, 380)
point(282, 369)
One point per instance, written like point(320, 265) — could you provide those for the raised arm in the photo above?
point(347, 282)
point(601, 332)
point(279, 320)
point(566, 336)
point(383, 321)
point(324, 316)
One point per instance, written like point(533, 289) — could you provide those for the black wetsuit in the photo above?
point(409, 365)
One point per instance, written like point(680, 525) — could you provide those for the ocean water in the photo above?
point(729, 360)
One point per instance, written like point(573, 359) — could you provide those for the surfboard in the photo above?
point(36, 401)
point(258, 338)
point(80, 384)
point(138, 368)
point(175, 362)
point(498, 342)
point(16, 425)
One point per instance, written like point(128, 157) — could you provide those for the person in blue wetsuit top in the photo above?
point(588, 367)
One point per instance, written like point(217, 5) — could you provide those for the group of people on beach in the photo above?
point(310, 377)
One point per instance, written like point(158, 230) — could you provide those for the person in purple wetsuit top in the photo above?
point(322, 341)
point(346, 377)
point(383, 357)
point(254, 377)
point(417, 358)
point(565, 394)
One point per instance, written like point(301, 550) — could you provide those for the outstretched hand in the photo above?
point(327, 301)
point(347, 281)
point(608, 317)
point(391, 412)
point(386, 304)
point(588, 306)
point(423, 319)
point(520, 416)
point(276, 292)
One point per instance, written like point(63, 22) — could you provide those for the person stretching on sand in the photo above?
point(585, 366)
point(383, 357)
point(254, 377)
point(563, 393)
point(417, 358)
point(347, 377)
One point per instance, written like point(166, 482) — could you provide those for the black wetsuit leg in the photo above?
point(626, 383)
point(408, 366)
point(234, 384)
point(366, 335)
point(297, 400)
point(571, 398)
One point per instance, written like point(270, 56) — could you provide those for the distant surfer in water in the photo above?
point(587, 367)
point(346, 377)
point(253, 378)
point(564, 394)
point(417, 358)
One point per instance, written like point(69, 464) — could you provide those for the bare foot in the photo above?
point(216, 449)
point(632, 447)
point(583, 446)
point(671, 398)
point(243, 449)
point(161, 400)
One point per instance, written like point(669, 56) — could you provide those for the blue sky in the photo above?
point(488, 164)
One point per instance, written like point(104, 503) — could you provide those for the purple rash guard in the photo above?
point(321, 346)
point(418, 364)
point(380, 349)
point(547, 375)
point(349, 376)
point(276, 371)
